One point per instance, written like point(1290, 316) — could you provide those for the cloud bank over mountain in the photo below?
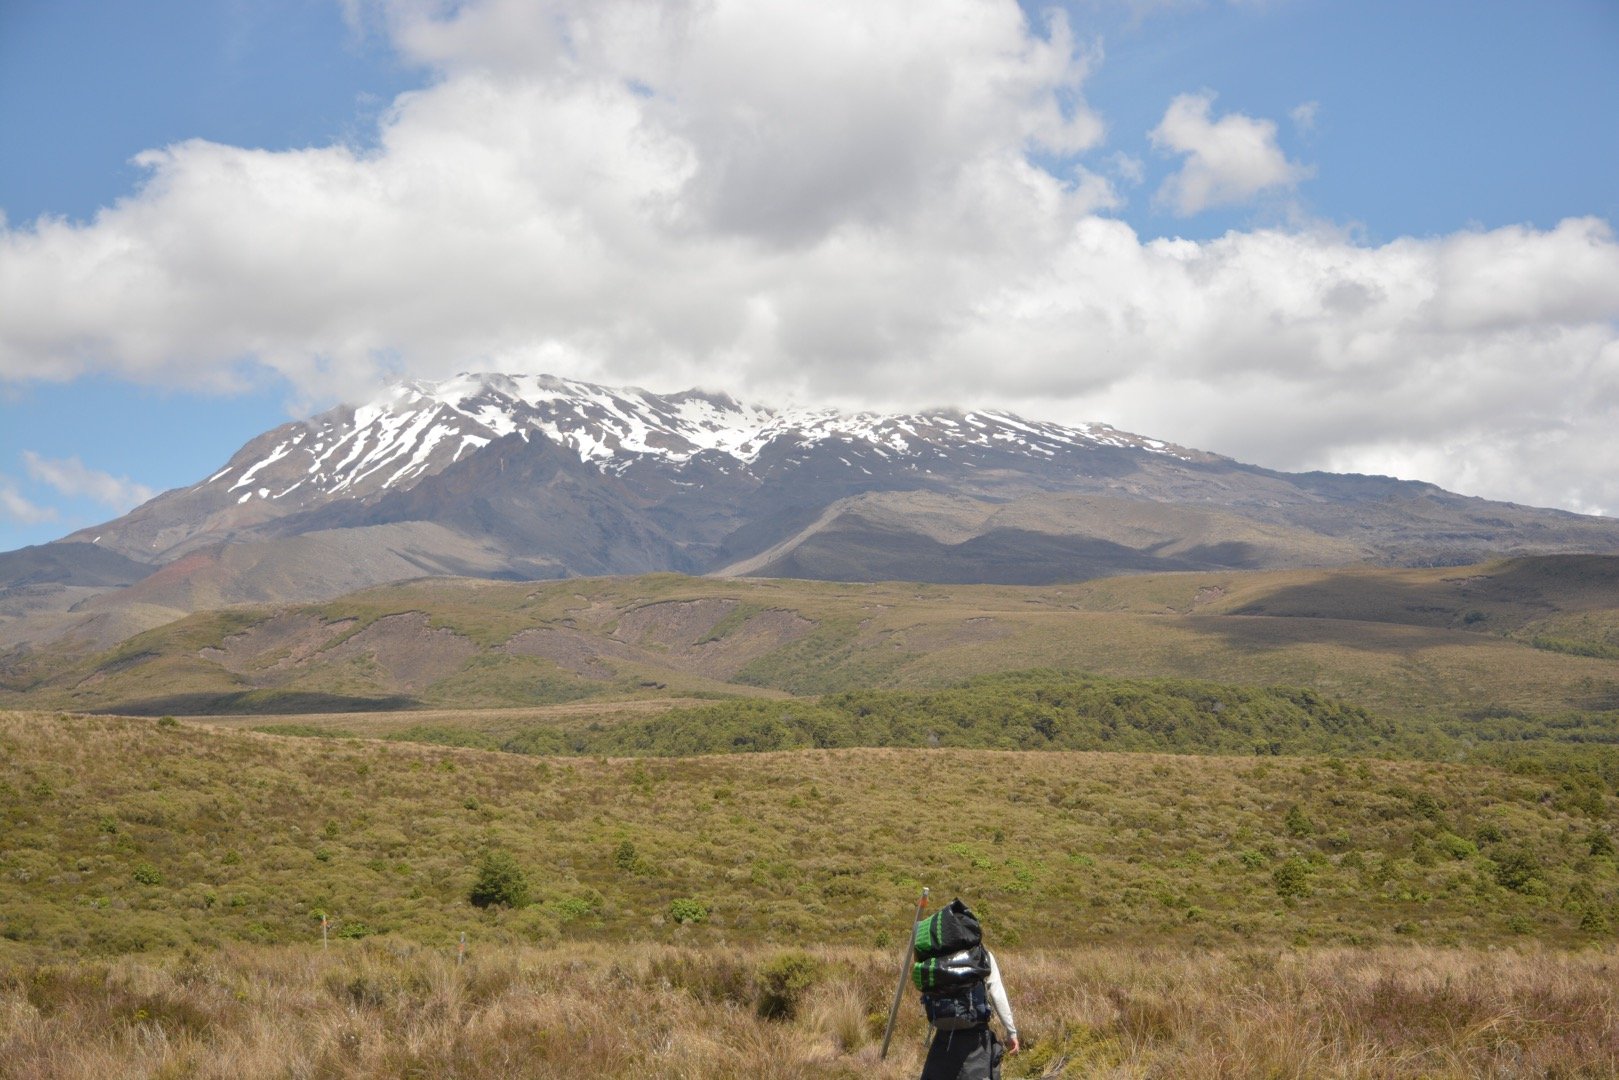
point(835, 202)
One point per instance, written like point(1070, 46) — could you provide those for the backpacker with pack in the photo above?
point(950, 969)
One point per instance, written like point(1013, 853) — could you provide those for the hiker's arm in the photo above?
point(997, 1001)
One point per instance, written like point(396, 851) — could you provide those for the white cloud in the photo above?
point(17, 509)
point(1229, 160)
point(841, 204)
point(71, 477)
point(1127, 167)
point(615, 188)
point(1304, 115)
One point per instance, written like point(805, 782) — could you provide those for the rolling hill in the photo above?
point(1531, 635)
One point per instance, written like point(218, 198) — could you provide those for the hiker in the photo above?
point(961, 984)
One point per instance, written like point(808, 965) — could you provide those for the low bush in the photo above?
point(687, 910)
point(783, 983)
point(500, 881)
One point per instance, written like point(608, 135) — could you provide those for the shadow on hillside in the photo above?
point(1358, 609)
point(859, 551)
point(255, 702)
point(1258, 633)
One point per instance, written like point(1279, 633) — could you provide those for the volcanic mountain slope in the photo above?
point(526, 477)
point(556, 467)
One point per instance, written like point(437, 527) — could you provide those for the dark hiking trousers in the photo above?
point(973, 1054)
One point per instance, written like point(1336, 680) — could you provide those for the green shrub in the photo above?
point(443, 735)
point(1455, 847)
point(783, 982)
point(570, 908)
point(629, 860)
point(687, 910)
point(1515, 869)
point(1339, 841)
point(146, 874)
point(1292, 878)
point(1425, 805)
point(1298, 825)
point(500, 882)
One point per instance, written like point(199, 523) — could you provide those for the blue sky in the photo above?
point(1390, 137)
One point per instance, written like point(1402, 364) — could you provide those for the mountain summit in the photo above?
point(419, 429)
point(357, 464)
point(532, 476)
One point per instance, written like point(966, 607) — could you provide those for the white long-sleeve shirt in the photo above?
point(997, 997)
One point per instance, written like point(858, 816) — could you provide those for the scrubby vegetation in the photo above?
point(1052, 710)
point(1042, 710)
point(122, 835)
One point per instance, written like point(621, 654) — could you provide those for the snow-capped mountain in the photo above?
point(535, 476)
point(419, 428)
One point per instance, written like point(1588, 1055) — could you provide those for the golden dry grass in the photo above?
point(391, 1009)
point(493, 722)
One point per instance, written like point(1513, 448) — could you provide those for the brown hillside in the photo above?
point(1519, 634)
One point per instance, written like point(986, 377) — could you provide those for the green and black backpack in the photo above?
point(950, 969)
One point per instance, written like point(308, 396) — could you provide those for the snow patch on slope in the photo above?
point(421, 427)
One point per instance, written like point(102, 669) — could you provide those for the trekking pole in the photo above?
point(904, 975)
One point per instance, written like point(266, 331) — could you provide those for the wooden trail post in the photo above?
point(461, 949)
point(323, 930)
point(904, 974)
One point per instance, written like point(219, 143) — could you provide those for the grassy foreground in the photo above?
point(122, 835)
point(376, 1009)
point(739, 915)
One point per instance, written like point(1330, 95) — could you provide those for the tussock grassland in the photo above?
point(392, 1009)
point(121, 835)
